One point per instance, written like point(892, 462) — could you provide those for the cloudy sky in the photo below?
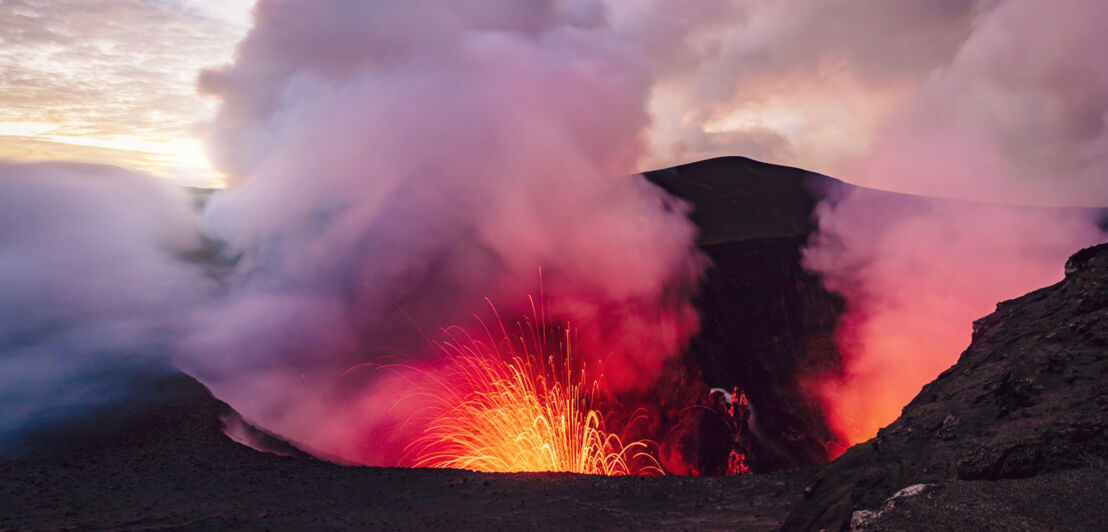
point(1000, 100)
point(113, 81)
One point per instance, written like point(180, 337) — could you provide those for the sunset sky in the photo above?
point(113, 81)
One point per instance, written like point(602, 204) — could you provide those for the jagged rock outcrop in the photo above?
point(1010, 437)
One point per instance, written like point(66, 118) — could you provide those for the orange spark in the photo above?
point(521, 403)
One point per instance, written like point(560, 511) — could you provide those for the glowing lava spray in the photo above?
point(519, 402)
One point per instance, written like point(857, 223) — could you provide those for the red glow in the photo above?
point(915, 274)
point(519, 401)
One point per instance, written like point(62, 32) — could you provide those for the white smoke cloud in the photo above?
point(1019, 114)
point(94, 285)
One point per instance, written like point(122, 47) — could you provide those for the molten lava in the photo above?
point(520, 402)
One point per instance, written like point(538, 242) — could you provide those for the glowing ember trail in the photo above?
point(519, 403)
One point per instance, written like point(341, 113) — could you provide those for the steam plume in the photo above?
point(1016, 115)
point(916, 272)
point(391, 179)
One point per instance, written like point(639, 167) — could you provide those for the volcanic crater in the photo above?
point(1021, 417)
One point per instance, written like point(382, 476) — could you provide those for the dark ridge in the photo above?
point(152, 407)
point(766, 322)
point(736, 198)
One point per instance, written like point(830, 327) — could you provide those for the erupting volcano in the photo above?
point(373, 168)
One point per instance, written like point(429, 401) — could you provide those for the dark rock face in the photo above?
point(765, 321)
point(1025, 403)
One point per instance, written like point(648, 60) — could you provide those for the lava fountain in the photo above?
point(517, 400)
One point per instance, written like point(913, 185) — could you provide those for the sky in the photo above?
point(995, 100)
point(114, 81)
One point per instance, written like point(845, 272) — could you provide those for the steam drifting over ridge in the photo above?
point(96, 286)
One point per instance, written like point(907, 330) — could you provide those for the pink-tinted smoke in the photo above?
point(916, 272)
point(1016, 116)
point(395, 164)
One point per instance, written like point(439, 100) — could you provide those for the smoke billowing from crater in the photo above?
point(390, 180)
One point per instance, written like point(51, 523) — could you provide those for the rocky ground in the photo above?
point(165, 464)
